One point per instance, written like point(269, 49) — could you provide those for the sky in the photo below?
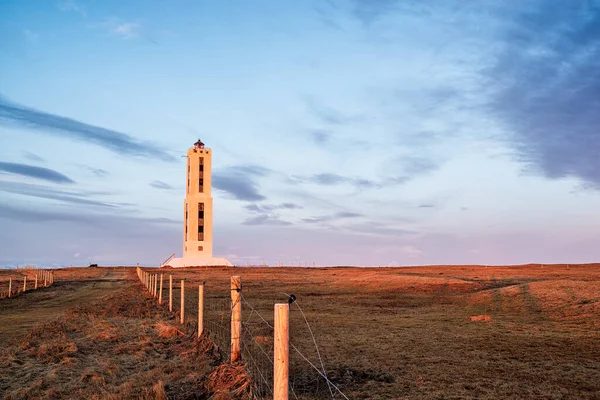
point(355, 132)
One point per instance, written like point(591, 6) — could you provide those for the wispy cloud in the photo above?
point(268, 214)
point(161, 185)
point(413, 166)
point(45, 192)
point(264, 219)
point(333, 217)
point(33, 157)
point(31, 171)
point(99, 172)
point(118, 142)
point(127, 30)
point(320, 137)
point(72, 5)
point(328, 115)
point(49, 214)
point(376, 228)
point(30, 35)
point(264, 208)
point(546, 85)
point(240, 181)
point(123, 29)
point(328, 179)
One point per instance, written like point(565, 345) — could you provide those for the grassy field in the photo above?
point(386, 333)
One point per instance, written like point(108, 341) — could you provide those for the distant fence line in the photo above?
point(246, 336)
point(42, 278)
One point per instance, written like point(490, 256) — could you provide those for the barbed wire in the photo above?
point(259, 356)
point(322, 373)
point(293, 300)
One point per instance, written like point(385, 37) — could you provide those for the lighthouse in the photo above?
point(198, 211)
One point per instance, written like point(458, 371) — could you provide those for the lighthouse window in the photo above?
point(200, 221)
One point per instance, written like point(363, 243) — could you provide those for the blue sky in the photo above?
point(343, 132)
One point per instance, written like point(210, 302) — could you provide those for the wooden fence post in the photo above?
point(282, 349)
point(160, 290)
point(155, 286)
point(236, 318)
point(171, 293)
point(200, 309)
point(36, 278)
point(182, 313)
point(9, 287)
point(25, 283)
point(45, 278)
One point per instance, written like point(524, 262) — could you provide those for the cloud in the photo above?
point(91, 233)
point(328, 179)
point(411, 251)
point(376, 228)
point(99, 172)
point(117, 142)
point(30, 35)
point(161, 185)
point(71, 5)
point(326, 114)
point(240, 181)
point(546, 83)
point(127, 30)
point(320, 137)
point(33, 157)
point(333, 217)
point(32, 171)
point(264, 208)
point(369, 11)
point(413, 166)
point(44, 192)
point(97, 219)
point(264, 219)
point(267, 213)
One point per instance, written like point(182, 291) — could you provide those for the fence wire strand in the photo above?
point(257, 347)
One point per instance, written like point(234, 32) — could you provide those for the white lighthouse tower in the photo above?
point(198, 211)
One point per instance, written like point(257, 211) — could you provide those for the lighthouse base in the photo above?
point(197, 262)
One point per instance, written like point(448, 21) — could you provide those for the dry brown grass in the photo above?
point(230, 381)
point(388, 333)
point(167, 330)
point(120, 348)
point(393, 333)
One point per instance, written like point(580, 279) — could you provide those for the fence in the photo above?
point(255, 333)
point(41, 278)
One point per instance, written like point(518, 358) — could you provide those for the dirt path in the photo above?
point(19, 315)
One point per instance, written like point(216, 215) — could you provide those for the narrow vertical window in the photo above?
point(200, 222)
point(201, 176)
point(186, 222)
